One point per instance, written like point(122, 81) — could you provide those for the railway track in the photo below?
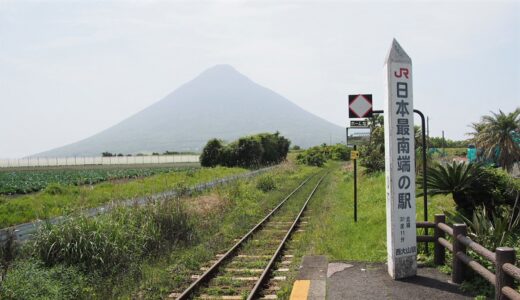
point(256, 264)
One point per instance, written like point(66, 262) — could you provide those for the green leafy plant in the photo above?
point(471, 185)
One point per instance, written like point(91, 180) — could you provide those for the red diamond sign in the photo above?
point(359, 106)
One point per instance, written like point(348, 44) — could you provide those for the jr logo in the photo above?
point(402, 71)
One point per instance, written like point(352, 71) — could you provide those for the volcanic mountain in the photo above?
point(219, 103)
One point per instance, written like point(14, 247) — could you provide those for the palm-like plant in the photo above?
point(495, 135)
point(458, 179)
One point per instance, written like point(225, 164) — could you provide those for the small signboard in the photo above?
point(360, 106)
point(358, 136)
point(354, 154)
point(359, 123)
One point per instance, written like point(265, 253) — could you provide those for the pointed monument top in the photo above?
point(397, 54)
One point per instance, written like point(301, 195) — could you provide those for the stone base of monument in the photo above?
point(404, 267)
point(361, 280)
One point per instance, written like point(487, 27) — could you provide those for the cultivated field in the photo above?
point(27, 180)
point(67, 191)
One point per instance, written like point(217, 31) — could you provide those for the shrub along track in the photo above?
point(247, 269)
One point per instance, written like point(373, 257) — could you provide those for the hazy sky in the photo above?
point(70, 69)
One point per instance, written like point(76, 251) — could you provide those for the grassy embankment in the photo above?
point(59, 200)
point(213, 220)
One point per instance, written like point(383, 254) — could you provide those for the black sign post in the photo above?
point(355, 186)
point(356, 136)
point(359, 106)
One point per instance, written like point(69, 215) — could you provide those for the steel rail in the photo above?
point(207, 275)
point(269, 266)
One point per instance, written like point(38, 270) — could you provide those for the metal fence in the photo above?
point(99, 160)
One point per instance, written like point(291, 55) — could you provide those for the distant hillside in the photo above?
point(219, 103)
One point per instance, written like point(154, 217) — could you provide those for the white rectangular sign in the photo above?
point(400, 165)
point(358, 136)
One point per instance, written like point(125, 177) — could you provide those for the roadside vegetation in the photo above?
point(57, 199)
point(144, 252)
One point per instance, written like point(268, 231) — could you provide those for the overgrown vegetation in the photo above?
point(110, 243)
point(144, 252)
point(248, 152)
point(59, 200)
point(318, 155)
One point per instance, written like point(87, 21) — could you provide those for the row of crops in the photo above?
point(23, 182)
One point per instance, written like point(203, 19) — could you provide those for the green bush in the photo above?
point(266, 183)
point(312, 157)
point(29, 279)
point(318, 155)
point(373, 154)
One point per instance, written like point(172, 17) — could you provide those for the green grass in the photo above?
point(62, 200)
point(338, 236)
point(247, 205)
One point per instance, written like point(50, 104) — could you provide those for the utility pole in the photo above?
point(443, 143)
point(427, 132)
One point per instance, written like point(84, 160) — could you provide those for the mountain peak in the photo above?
point(219, 103)
point(222, 73)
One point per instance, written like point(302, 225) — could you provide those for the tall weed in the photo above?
point(110, 243)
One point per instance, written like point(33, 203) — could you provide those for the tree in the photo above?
point(373, 154)
point(249, 152)
point(495, 134)
point(211, 154)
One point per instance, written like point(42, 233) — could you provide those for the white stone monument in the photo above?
point(400, 165)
